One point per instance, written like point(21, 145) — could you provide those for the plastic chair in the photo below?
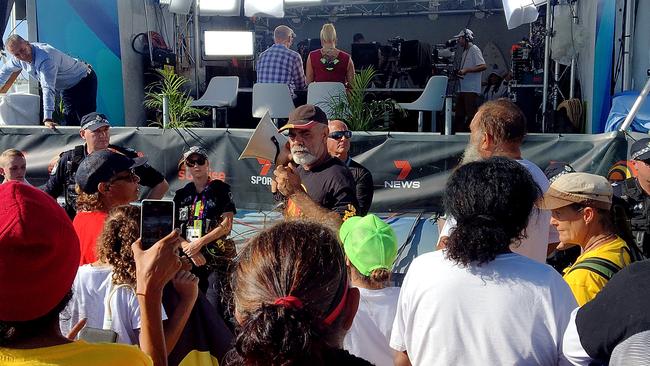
point(432, 100)
point(323, 93)
point(274, 98)
point(221, 92)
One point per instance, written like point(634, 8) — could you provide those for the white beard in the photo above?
point(470, 154)
point(302, 156)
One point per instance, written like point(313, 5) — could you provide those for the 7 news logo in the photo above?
point(401, 182)
point(264, 170)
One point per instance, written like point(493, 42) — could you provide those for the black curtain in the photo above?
point(5, 12)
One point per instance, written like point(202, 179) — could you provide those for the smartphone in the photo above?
point(156, 221)
point(95, 335)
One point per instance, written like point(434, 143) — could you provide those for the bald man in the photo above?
point(338, 145)
point(279, 64)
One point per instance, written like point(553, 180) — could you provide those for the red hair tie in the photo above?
point(288, 302)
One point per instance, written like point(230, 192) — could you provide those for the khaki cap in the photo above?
point(584, 188)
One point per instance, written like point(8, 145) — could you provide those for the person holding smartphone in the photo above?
point(105, 180)
point(205, 211)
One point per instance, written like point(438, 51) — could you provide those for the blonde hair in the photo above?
point(10, 153)
point(328, 33)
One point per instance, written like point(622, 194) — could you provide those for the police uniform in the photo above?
point(635, 200)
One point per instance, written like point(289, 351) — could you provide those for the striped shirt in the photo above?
point(278, 64)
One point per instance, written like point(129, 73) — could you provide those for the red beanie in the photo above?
point(39, 253)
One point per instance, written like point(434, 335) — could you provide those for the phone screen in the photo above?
point(156, 221)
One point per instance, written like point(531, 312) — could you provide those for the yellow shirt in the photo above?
point(584, 283)
point(76, 354)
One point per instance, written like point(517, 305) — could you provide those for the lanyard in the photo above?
point(199, 210)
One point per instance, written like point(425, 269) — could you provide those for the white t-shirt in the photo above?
point(471, 82)
point(90, 290)
point(571, 346)
point(370, 333)
point(538, 231)
point(510, 311)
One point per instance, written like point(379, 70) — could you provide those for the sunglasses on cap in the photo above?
point(337, 135)
point(200, 160)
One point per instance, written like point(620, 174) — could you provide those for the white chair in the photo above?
point(323, 93)
point(221, 92)
point(432, 100)
point(274, 98)
point(20, 109)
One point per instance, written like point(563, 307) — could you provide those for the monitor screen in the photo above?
point(228, 43)
point(365, 55)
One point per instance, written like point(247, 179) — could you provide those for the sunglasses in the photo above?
point(198, 161)
point(337, 135)
point(131, 177)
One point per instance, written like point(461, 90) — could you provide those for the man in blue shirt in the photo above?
point(279, 64)
point(56, 72)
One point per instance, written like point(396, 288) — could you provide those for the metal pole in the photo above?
point(637, 104)
point(165, 111)
point(197, 46)
point(547, 57)
point(448, 102)
point(627, 44)
point(146, 24)
point(556, 80)
point(572, 83)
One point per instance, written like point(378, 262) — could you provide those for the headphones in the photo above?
point(468, 34)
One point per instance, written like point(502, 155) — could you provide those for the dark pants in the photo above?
point(466, 106)
point(80, 100)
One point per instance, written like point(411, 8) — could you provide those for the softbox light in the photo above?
point(519, 12)
point(180, 6)
point(228, 43)
point(228, 8)
point(264, 8)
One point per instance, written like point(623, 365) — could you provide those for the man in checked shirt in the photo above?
point(279, 64)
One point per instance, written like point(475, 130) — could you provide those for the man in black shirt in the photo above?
point(635, 194)
point(338, 145)
point(95, 130)
point(322, 187)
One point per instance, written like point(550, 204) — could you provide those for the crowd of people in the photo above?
point(316, 287)
point(78, 288)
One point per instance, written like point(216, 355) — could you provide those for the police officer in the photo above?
point(635, 194)
point(95, 130)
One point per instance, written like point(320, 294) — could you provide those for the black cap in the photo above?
point(640, 150)
point(304, 117)
point(93, 121)
point(101, 166)
point(557, 169)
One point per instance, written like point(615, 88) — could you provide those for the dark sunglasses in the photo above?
point(337, 135)
point(132, 177)
point(192, 162)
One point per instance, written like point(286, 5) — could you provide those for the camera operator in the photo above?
point(471, 69)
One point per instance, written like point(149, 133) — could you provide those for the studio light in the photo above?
point(220, 7)
point(180, 6)
point(228, 43)
point(266, 8)
point(519, 12)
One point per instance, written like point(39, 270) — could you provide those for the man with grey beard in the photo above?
point(321, 188)
point(498, 129)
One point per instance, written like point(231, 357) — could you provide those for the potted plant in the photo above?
point(359, 114)
point(181, 113)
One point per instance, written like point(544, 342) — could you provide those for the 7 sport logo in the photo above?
point(404, 170)
point(265, 168)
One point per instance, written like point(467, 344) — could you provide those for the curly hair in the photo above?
point(293, 258)
point(121, 228)
point(491, 201)
point(89, 202)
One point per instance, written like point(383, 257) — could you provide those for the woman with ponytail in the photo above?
point(476, 302)
point(293, 300)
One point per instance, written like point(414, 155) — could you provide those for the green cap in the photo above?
point(369, 243)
